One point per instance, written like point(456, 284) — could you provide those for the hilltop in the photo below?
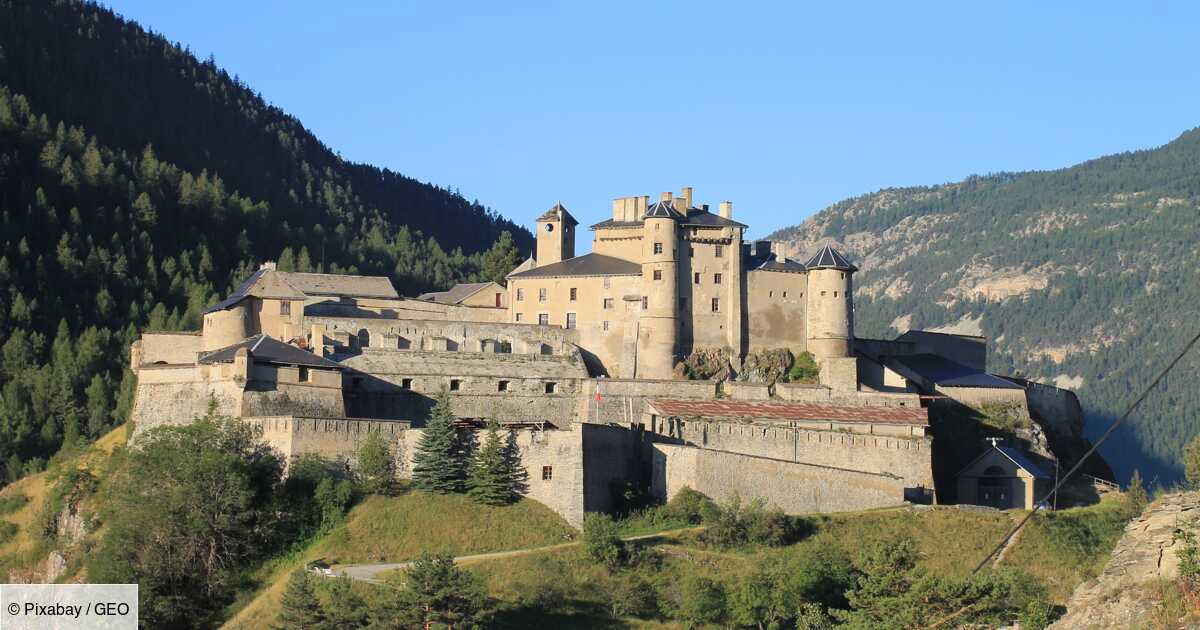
point(1082, 277)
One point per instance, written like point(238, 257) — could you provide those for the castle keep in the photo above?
point(581, 357)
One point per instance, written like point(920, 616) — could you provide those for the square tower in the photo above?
point(555, 236)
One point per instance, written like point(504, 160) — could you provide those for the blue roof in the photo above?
point(946, 373)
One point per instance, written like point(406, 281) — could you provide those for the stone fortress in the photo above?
point(580, 357)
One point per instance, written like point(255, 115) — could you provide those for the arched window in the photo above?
point(364, 338)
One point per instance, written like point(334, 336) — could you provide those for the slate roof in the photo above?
point(525, 265)
point(662, 209)
point(558, 212)
point(770, 262)
point(457, 293)
point(1015, 456)
point(289, 285)
point(790, 411)
point(695, 216)
point(946, 373)
point(266, 349)
point(829, 258)
point(586, 265)
point(341, 285)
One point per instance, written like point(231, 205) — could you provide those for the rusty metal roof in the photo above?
point(790, 411)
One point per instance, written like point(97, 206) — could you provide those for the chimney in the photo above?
point(745, 250)
point(762, 248)
point(781, 252)
point(619, 209)
point(643, 203)
point(727, 209)
point(704, 207)
point(269, 265)
point(665, 196)
point(686, 193)
point(680, 205)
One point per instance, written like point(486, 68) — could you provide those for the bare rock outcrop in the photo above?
point(1121, 597)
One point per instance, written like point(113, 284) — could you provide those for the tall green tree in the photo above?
point(439, 460)
point(501, 259)
point(441, 593)
point(299, 607)
point(376, 470)
point(492, 479)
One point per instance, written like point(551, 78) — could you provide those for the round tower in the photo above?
point(658, 325)
point(224, 327)
point(830, 305)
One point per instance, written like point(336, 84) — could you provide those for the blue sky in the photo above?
point(782, 108)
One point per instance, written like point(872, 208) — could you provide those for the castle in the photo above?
point(579, 357)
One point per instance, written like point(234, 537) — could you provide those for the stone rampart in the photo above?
point(446, 335)
point(623, 401)
point(820, 394)
point(797, 488)
point(166, 348)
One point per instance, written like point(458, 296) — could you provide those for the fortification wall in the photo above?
point(775, 310)
point(408, 309)
point(624, 400)
point(1054, 407)
point(899, 452)
point(171, 348)
point(173, 396)
point(820, 394)
point(980, 396)
point(445, 335)
point(610, 458)
point(795, 488)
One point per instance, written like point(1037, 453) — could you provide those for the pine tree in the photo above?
point(1138, 499)
point(492, 479)
point(300, 608)
point(439, 458)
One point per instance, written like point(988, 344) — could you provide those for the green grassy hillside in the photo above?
point(1083, 277)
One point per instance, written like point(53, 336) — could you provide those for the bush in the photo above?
point(1137, 497)
point(702, 602)
point(691, 507)
point(13, 502)
point(737, 525)
point(632, 596)
point(7, 531)
point(601, 541)
point(376, 472)
point(804, 369)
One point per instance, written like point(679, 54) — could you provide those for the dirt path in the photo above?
point(371, 572)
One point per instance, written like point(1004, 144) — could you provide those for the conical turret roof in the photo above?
point(558, 213)
point(829, 258)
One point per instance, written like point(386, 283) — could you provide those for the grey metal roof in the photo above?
point(1015, 456)
point(586, 265)
point(771, 262)
point(662, 210)
point(558, 212)
point(947, 373)
point(265, 349)
point(264, 283)
point(695, 216)
point(340, 285)
point(829, 258)
point(456, 293)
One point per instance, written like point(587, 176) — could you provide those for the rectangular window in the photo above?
point(658, 248)
point(574, 293)
point(285, 308)
point(606, 324)
point(645, 303)
point(406, 383)
point(520, 295)
point(542, 295)
point(696, 278)
point(608, 303)
point(785, 294)
point(502, 386)
point(547, 473)
point(303, 374)
point(499, 300)
point(519, 316)
point(658, 274)
point(718, 251)
point(691, 251)
point(716, 305)
point(607, 282)
point(551, 387)
point(716, 278)
point(543, 319)
point(570, 320)
point(455, 384)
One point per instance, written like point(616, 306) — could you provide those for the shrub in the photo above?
point(7, 531)
point(702, 602)
point(632, 596)
point(1137, 497)
point(691, 506)
point(376, 472)
point(804, 369)
point(736, 525)
point(1191, 462)
point(13, 502)
point(601, 541)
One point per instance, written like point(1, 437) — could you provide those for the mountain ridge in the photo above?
point(1079, 276)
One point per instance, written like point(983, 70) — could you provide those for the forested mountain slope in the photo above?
point(1085, 277)
point(137, 186)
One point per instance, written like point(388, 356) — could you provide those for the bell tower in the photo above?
point(555, 236)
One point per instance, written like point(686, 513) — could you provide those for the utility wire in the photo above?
point(1086, 455)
